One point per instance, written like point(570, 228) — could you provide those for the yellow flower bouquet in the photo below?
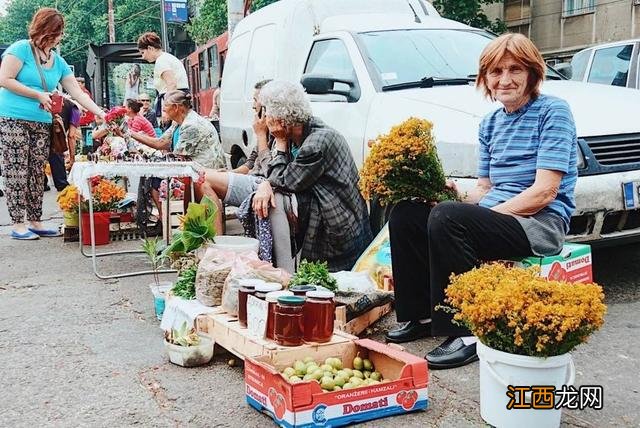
point(515, 310)
point(69, 199)
point(404, 164)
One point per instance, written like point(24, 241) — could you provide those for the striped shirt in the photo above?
point(540, 135)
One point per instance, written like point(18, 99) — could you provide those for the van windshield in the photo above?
point(399, 57)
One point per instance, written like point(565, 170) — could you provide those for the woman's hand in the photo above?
point(116, 130)
point(45, 100)
point(263, 199)
point(260, 125)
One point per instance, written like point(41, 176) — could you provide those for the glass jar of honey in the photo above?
point(272, 300)
point(301, 290)
point(247, 287)
point(319, 313)
point(289, 322)
point(267, 287)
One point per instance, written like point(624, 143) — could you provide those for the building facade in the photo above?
point(560, 28)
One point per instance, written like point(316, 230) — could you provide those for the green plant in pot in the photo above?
point(152, 248)
point(186, 348)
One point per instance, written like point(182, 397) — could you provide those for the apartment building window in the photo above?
point(578, 7)
point(517, 10)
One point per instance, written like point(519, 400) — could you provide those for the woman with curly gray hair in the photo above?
point(313, 161)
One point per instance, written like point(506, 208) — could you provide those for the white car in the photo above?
point(371, 64)
point(614, 64)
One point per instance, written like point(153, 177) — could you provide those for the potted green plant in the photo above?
point(526, 326)
point(152, 248)
point(186, 348)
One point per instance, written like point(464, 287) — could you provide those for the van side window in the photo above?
point(579, 65)
point(237, 61)
point(330, 57)
point(611, 65)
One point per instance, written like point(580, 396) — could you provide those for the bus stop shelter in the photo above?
point(98, 60)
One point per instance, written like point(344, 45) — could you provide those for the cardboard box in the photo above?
point(573, 264)
point(304, 404)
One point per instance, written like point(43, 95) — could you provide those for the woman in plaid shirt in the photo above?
point(313, 161)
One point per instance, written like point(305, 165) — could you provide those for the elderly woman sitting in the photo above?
point(521, 205)
point(313, 162)
point(191, 136)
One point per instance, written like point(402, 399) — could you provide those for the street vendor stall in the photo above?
point(82, 173)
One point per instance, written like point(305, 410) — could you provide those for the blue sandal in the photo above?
point(27, 236)
point(45, 233)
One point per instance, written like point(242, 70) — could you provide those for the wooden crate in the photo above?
point(225, 331)
point(175, 209)
point(359, 324)
point(70, 234)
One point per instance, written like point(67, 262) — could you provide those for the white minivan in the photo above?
point(370, 64)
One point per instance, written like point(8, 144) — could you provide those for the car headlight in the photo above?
point(582, 163)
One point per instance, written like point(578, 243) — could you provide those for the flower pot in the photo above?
point(190, 356)
point(159, 292)
point(101, 222)
point(499, 369)
point(70, 218)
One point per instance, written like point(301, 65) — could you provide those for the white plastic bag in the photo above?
point(359, 282)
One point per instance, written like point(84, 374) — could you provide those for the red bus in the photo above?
point(204, 69)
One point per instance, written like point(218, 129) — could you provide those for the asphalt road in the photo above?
point(79, 351)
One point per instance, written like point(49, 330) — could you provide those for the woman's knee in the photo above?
point(407, 216)
point(444, 215)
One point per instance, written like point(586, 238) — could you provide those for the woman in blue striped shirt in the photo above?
point(521, 206)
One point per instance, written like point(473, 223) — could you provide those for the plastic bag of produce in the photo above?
point(376, 261)
point(248, 266)
point(213, 270)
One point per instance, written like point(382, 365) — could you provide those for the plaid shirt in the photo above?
point(332, 215)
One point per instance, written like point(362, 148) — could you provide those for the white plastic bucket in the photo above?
point(235, 243)
point(499, 369)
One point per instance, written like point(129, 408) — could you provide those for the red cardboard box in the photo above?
point(573, 264)
point(304, 404)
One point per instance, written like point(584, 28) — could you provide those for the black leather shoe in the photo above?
point(451, 353)
point(411, 330)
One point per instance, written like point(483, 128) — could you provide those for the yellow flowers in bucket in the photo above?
point(69, 199)
point(404, 164)
point(515, 310)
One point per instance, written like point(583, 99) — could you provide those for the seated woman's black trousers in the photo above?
point(428, 244)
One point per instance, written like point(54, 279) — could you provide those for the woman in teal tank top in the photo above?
point(29, 72)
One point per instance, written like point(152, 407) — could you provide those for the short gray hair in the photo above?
point(287, 101)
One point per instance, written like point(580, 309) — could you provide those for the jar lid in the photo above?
point(266, 287)
point(250, 282)
point(303, 287)
point(273, 296)
point(291, 300)
point(321, 294)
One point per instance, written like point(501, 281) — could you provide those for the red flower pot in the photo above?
point(101, 222)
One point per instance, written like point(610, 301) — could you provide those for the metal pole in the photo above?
point(112, 24)
point(163, 27)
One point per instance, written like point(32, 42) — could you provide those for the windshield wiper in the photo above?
point(429, 82)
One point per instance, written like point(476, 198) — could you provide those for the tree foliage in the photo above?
point(85, 22)
point(211, 18)
point(211, 21)
point(470, 12)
